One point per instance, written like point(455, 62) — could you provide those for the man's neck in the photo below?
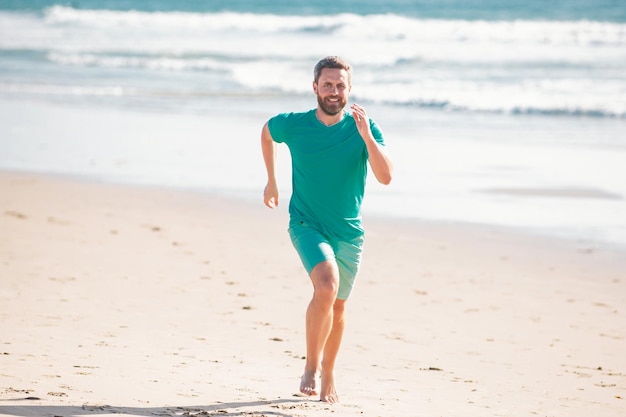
point(327, 119)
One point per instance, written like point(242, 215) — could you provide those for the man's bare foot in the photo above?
point(307, 383)
point(328, 393)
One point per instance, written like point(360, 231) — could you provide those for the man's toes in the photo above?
point(331, 399)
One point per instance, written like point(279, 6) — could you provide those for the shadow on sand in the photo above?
point(269, 408)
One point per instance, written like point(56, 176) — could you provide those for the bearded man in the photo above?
point(330, 150)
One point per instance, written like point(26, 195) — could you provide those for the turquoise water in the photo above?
point(599, 10)
point(505, 113)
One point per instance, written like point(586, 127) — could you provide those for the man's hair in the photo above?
point(331, 62)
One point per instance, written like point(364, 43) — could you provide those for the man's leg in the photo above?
point(328, 391)
point(319, 320)
point(348, 256)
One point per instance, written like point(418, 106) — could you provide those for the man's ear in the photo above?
point(314, 87)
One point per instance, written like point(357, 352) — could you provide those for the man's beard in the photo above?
point(333, 108)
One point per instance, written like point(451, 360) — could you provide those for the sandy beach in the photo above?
point(147, 301)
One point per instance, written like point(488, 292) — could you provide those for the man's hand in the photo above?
point(361, 120)
point(379, 160)
point(270, 195)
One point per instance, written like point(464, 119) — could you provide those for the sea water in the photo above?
point(507, 113)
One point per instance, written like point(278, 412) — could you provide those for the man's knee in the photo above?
point(325, 277)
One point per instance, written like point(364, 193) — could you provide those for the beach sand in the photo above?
point(120, 300)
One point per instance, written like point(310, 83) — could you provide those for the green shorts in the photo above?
point(315, 247)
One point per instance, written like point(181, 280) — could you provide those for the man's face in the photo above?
point(332, 90)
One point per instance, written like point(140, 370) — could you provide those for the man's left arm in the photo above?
point(381, 164)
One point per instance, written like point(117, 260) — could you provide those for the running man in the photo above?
point(330, 148)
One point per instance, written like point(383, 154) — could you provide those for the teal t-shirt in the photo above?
point(329, 169)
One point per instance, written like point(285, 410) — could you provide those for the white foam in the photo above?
point(160, 63)
point(63, 90)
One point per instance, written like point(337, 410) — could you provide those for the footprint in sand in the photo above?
point(152, 228)
point(54, 220)
point(63, 280)
point(15, 214)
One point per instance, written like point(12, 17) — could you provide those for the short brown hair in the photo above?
point(331, 62)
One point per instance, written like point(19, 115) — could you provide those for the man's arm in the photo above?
point(381, 164)
point(268, 147)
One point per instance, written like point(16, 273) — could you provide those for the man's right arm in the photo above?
point(268, 147)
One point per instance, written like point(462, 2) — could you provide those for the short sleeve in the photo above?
point(277, 126)
point(377, 133)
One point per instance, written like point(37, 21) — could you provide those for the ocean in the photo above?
point(502, 113)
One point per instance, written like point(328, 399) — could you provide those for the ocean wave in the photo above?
point(222, 21)
point(379, 26)
point(366, 39)
point(66, 90)
point(565, 111)
point(195, 97)
point(550, 97)
point(145, 62)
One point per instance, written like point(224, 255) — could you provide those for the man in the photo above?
point(329, 149)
